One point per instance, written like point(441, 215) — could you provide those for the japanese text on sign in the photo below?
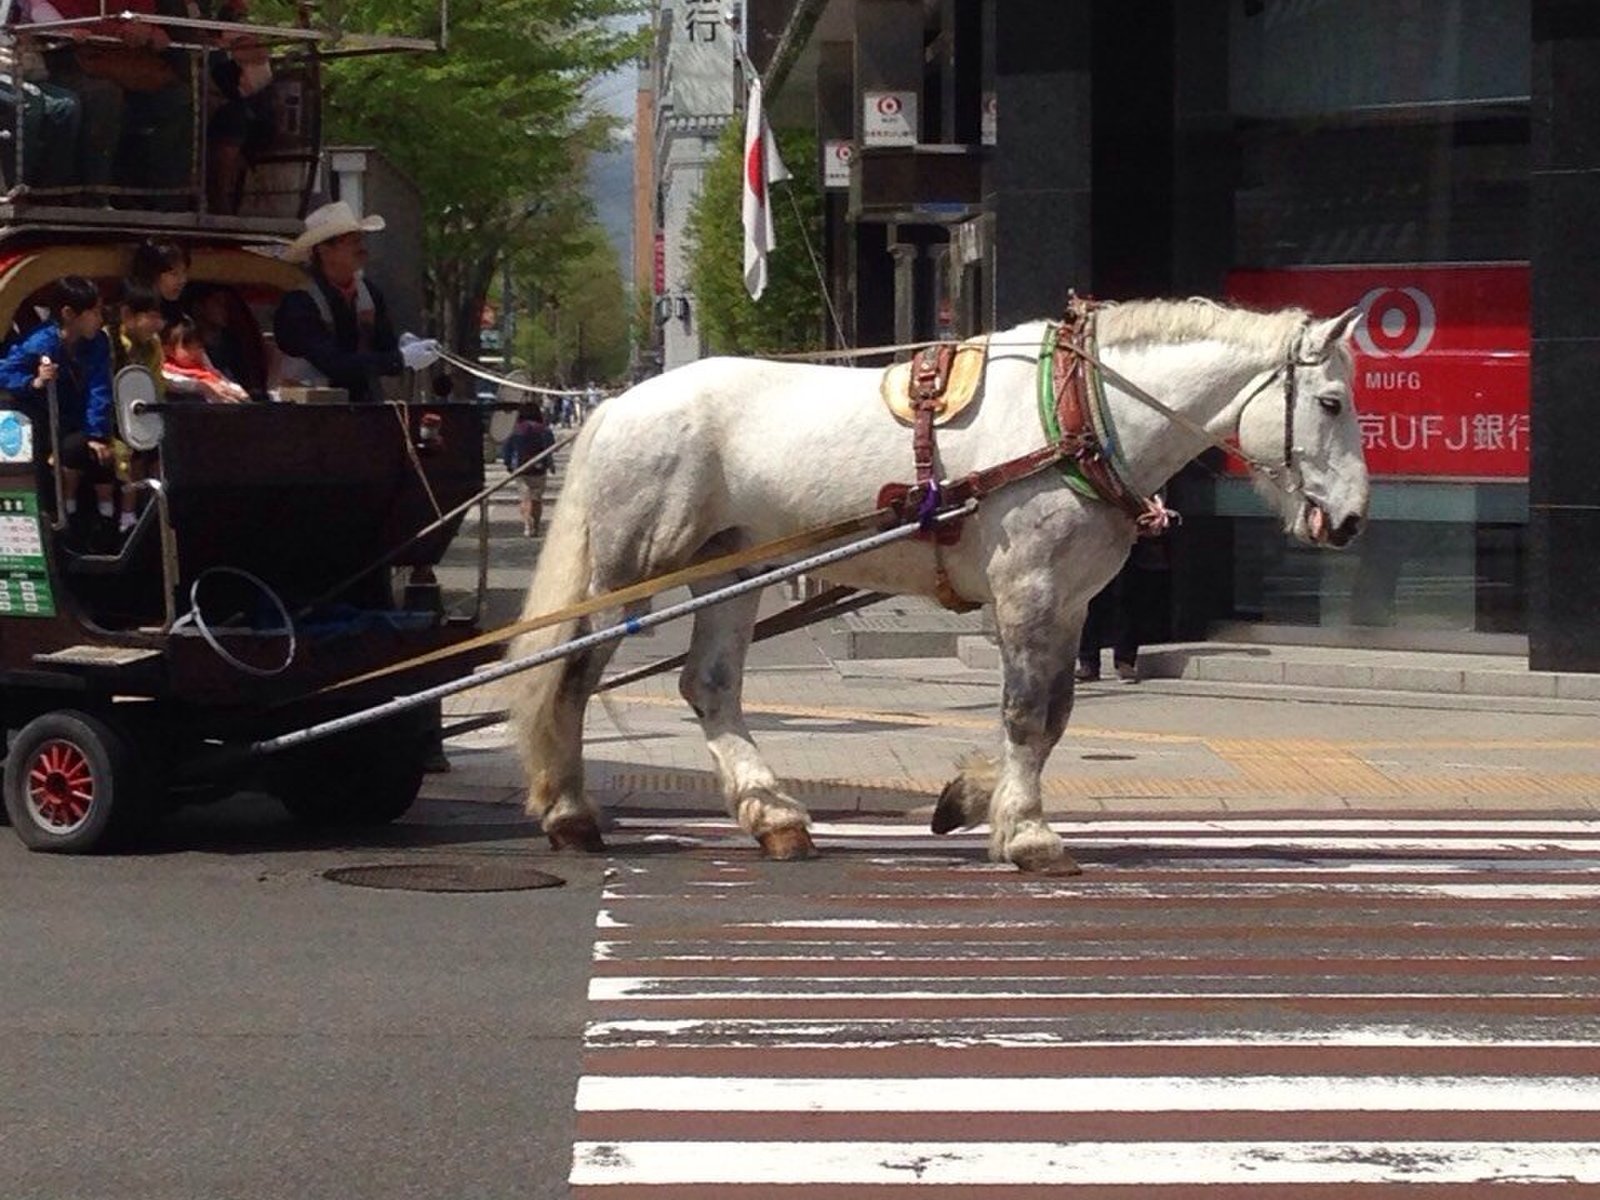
point(1441, 377)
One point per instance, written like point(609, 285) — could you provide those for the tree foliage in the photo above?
point(576, 330)
point(495, 131)
point(791, 313)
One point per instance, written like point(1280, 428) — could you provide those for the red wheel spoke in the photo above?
point(61, 784)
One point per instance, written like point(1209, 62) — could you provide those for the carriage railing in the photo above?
point(297, 102)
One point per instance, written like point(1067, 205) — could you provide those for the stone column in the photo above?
point(1041, 173)
point(1564, 566)
point(905, 292)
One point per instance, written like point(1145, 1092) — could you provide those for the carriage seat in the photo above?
point(964, 386)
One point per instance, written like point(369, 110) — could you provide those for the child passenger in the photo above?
point(138, 344)
point(73, 351)
point(188, 369)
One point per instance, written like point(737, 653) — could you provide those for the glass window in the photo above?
point(1355, 152)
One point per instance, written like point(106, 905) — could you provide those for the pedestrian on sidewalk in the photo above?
point(530, 437)
point(1124, 612)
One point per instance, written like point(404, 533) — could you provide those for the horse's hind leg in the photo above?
point(713, 683)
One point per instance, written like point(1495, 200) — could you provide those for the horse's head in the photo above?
point(1303, 419)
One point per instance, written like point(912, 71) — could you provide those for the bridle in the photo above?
point(1285, 475)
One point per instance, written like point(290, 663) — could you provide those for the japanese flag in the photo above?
point(762, 167)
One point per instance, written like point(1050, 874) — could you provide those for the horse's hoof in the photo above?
point(576, 833)
point(1045, 864)
point(789, 844)
point(964, 803)
point(950, 813)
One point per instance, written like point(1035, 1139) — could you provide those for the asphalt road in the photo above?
point(213, 1018)
point(1351, 1000)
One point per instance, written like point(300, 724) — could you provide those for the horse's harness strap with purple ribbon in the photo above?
point(1073, 441)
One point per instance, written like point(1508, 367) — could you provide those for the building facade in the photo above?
point(1436, 162)
point(692, 85)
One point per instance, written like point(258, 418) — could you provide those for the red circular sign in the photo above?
point(889, 106)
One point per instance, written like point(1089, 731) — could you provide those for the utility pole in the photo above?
point(508, 312)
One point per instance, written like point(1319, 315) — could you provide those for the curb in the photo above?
point(1214, 662)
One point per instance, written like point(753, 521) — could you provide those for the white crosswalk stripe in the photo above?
point(1262, 1005)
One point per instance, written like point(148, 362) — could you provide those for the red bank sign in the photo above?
point(1441, 357)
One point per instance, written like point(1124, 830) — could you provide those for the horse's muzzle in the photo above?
point(1346, 532)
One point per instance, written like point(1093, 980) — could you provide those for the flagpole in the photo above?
point(741, 102)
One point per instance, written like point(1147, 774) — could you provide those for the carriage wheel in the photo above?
point(367, 777)
point(71, 784)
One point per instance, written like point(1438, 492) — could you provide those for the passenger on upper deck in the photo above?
point(337, 325)
point(52, 118)
point(73, 351)
point(136, 96)
point(243, 124)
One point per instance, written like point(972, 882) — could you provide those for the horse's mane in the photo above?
point(1197, 320)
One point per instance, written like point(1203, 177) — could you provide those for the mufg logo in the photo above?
point(1396, 322)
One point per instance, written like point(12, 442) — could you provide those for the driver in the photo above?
point(335, 331)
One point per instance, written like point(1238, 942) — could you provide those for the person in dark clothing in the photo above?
point(73, 352)
point(530, 437)
point(1124, 612)
point(243, 125)
point(335, 331)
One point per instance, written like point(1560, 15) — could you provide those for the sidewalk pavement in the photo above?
point(883, 737)
point(871, 713)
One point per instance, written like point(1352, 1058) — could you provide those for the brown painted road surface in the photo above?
point(1295, 1005)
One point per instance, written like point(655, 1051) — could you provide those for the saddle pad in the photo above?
point(966, 382)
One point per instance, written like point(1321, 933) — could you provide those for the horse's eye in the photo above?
point(1331, 405)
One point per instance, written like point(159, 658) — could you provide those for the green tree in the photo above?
point(575, 328)
point(792, 311)
point(495, 131)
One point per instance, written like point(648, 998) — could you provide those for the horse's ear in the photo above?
point(1331, 333)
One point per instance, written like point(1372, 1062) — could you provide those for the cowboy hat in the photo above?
point(326, 223)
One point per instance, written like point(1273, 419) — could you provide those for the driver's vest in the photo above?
point(298, 370)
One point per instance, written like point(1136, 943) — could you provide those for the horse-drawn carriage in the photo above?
point(268, 561)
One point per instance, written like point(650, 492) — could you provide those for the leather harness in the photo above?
point(1074, 445)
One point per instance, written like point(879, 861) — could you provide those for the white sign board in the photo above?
point(991, 126)
point(16, 437)
point(837, 155)
point(889, 118)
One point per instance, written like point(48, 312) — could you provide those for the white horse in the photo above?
point(726, 453)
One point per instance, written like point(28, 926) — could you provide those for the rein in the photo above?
point(1282, 476)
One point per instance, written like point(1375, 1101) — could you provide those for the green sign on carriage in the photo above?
point(24, 577)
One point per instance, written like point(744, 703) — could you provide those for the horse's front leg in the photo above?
point(1038, 650)
point(713, 683)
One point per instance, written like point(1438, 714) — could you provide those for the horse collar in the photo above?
point(1077, 422)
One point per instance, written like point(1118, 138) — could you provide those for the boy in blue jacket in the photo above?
point(74, 352)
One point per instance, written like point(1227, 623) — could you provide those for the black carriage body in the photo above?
point(301, 497)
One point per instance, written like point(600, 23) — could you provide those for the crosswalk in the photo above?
point(1257, 1008)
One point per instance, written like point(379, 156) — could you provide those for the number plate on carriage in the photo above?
point(24, 577)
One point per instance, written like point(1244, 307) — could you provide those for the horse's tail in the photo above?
point(561, 578)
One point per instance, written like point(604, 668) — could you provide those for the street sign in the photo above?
point(990, 123)
point(837, 155)
point(889, 118)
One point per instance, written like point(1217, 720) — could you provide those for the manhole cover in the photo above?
point(445, 877)
point(1108, 757)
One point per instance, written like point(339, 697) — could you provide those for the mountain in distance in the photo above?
point(610, 187)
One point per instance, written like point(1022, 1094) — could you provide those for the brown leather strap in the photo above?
point(930, 376)
point(1078, 437)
